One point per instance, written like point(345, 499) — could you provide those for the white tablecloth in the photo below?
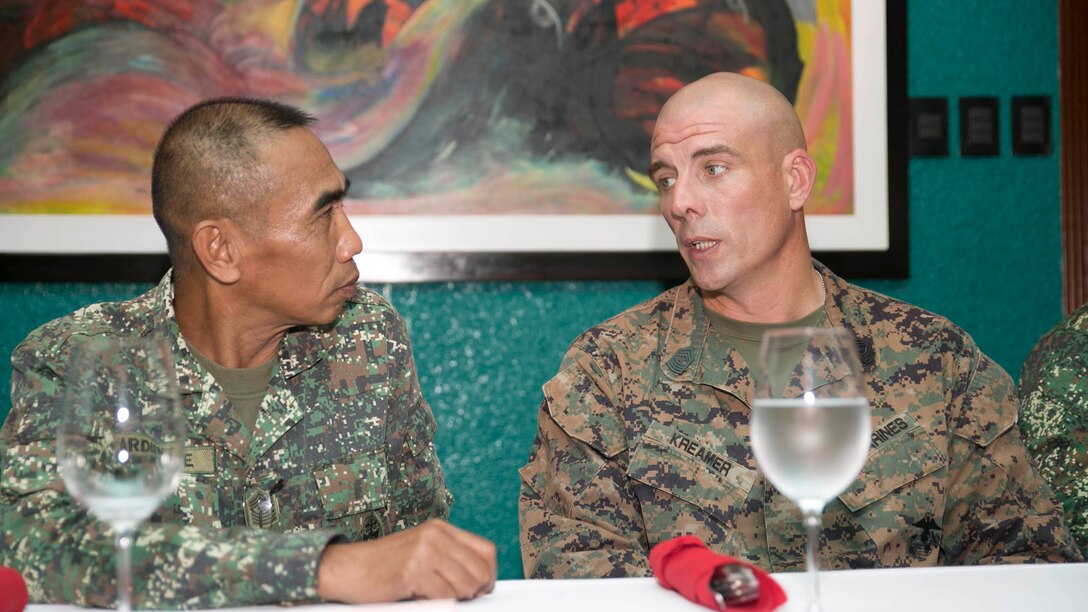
point(1023, 588)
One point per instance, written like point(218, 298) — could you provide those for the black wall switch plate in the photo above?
point(978, 127)
point(1031, 125)
point(928, 127)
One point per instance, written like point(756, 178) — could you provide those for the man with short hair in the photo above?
point(613, 471)
point(298, 384)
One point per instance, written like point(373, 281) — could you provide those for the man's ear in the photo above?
point(217, 246)
point(800, 172)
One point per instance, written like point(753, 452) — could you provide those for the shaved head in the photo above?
point(733, 174)
point(209, 165)
point(759, 105)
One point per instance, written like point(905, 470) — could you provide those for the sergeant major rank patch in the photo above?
point(372, 527)
point(262, 509)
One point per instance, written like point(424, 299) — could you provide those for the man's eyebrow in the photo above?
point(715, 150)
point(657, 165)
point(704, 152)
point(329, 197)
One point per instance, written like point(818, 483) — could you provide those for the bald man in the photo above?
point(310, 468)
point(644, 433)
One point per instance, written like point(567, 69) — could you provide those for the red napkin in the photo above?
point(686, 565)
point(13, 593)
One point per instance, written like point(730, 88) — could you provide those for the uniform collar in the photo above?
point(844, 310)
point(300, 350)
point(686, 338)
point(684, 357)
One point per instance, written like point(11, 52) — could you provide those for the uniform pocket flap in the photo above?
point(352, 484)
point(347, 379)
point(902, 451)
point(685, 467)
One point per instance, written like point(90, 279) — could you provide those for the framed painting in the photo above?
point(485, 139)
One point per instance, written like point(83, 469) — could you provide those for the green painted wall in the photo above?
point(985, 250)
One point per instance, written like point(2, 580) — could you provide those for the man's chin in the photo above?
point(330, 317)
point(337, 313)
point(707, 282)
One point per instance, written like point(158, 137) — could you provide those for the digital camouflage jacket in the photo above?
point(643, 436)
point(344, 440)
point(1054, 416)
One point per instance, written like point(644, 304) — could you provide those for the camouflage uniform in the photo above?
point(643, 436)
point(1054, 416)
point(344, 434)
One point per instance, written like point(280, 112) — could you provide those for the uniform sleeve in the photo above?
point(999, 509)
point(415, 473)
point(65, 555)
point(1054, 421)
point(579, 519)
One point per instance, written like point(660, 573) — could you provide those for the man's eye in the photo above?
point(666, 182)
point(715, 170)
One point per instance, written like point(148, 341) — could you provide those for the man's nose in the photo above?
point(350, 244)
point(684, 200)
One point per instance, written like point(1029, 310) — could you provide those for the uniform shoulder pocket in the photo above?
point(989, 406)
point(690, 468)
point(584, 411)
point(420, 430)
point(902, 451)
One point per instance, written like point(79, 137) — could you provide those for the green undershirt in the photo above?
point(245, 387)
point(746, 337)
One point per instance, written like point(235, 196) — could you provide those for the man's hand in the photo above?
point(434, 560)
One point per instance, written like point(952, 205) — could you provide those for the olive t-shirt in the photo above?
point(244, 387)
point(746, 338)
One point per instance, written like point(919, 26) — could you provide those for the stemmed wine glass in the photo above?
point(121, 441)
point(810, 423)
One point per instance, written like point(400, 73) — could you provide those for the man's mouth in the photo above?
point(351, 283)
point(701, 244)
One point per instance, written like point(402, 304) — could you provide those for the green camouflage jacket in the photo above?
point(1054, 416)
point(344, 434)
point(643, 436)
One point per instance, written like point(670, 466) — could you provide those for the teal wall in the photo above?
point(985, 250)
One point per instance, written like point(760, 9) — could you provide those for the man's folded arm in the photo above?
point(424, 557)
point(67, 556)
point(579, 518)
point(415, 473)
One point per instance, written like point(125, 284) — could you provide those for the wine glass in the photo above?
point(121, 441)
point(810, 423)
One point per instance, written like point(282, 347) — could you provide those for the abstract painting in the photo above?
point(464, 125)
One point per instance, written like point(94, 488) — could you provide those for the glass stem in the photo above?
point(124, 570)
point(812, 557)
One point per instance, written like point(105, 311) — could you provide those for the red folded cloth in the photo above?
point(686, 565)
point(13, 594)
